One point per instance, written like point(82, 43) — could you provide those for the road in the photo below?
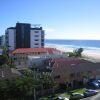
point(96, 97)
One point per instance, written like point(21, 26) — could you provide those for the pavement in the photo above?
point(96, 97)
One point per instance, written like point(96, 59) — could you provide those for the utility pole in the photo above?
point(33, 66)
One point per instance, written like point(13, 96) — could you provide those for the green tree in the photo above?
point(17, 88)
point(3, 89)
point(3, 60)
point(78, 52)
point(28, 72)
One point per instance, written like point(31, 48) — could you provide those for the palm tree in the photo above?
point(78, 52)
point(34, 68)
point(47, 81)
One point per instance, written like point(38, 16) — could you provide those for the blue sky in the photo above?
point(61, 19)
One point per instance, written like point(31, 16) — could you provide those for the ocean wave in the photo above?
point(97, 49)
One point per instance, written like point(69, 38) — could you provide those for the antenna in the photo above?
point(36, 25)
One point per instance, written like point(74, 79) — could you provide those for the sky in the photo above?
point(61, 19)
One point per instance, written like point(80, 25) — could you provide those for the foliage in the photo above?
point(28, 72)
point(17, 87)
point(76, 52)
point(71, 54)
point(48, 82)
point(3, 60)
point(23, 87)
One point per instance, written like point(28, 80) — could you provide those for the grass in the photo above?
point(67, 95)
point(79, 90)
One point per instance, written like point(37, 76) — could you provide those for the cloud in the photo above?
point(87, 36)
point(90, 36)
point(49, 30)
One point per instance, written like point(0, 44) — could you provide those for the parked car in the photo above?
point(98, 81)
point(94, 84)
point(76, 96)
point(66, 99)
point(61, 98)
point(90, 92)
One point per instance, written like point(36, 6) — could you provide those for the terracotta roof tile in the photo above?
point(68, 62)
point(35, 50)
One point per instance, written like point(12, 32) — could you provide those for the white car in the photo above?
point(66, 99)
point(62, 98)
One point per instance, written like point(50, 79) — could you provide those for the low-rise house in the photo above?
point(21, 55)
point(40, 59)
point(72, 69)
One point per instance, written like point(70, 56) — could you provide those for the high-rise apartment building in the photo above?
point(2, 40)
point(24, 36)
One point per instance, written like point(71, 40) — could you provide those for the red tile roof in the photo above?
point(68, 62)
point(35, 50)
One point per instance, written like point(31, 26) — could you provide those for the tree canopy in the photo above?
point(76, 53)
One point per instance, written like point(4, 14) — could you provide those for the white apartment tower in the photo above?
point(23, 36)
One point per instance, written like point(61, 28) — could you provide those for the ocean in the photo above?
point(86, 44)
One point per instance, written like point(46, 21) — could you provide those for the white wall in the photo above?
point(32, 38)
point(11, 37)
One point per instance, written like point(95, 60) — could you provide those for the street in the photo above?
point(96, 97)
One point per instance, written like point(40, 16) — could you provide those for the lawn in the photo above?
point(79, 90)
point(65, 94)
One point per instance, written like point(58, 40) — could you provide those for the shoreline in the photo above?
point(88, 54)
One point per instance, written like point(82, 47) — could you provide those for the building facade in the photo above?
point(70, 70)
point(2, 40)
point(24, 36)
point(23, 57)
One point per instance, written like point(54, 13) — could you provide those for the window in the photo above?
point(36, 35)
point(36, 31)
point(15, 58)
point(42, 40)
point(42, 44)
point(36, 44)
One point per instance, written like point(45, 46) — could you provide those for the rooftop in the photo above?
point(74, 65)
point(68, 62)
point(35, 50)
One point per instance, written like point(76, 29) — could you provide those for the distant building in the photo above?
point(2, 40)
point(24, 36)
point(1, 51)
point(22, 55)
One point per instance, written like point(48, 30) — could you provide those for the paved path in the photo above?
point(96, 97)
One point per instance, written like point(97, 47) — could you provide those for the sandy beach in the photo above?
point(92, 55)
